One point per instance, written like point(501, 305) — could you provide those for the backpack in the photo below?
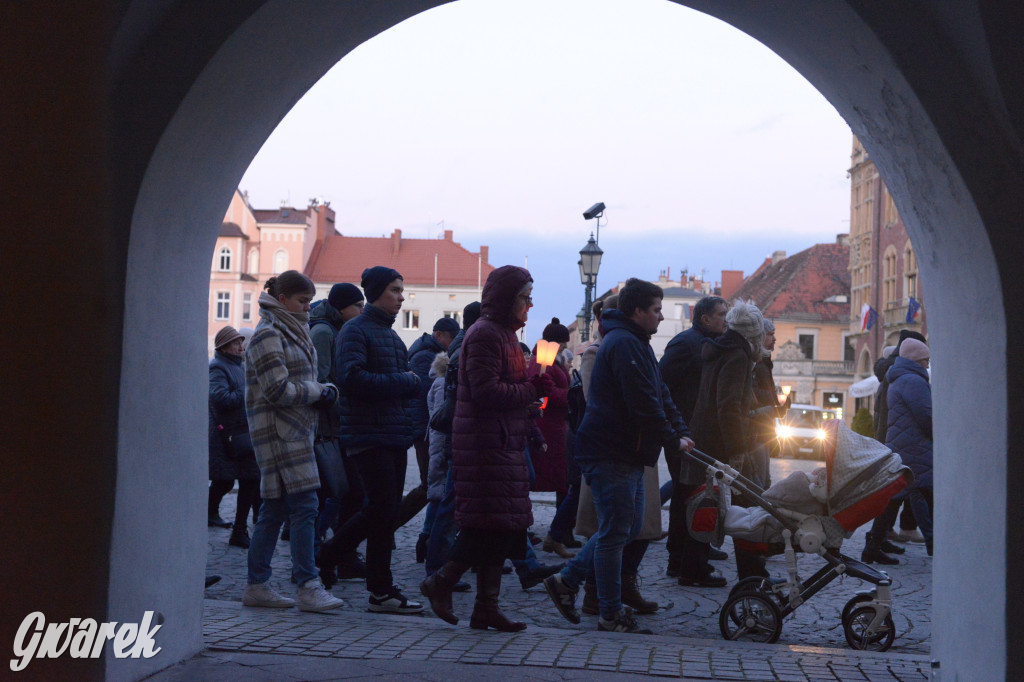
point(577, 402)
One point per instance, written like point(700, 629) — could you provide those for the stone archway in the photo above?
point(933, 93)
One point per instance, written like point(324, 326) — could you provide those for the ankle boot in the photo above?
point(552, 545)
point(239, 536)
point(485, 612)
point(421, 548)
point(890, 548)
point(438, 589)
point(631, 596)
point(873, 552)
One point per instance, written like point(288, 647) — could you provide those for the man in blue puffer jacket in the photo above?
point(910, 427)
point(371, 368)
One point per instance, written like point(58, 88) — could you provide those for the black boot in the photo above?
point(239, 537)
point(421, 548)
point(438, 589)
point(873, 552)
point(631, 595)
point(485, 612)
point(890, 548)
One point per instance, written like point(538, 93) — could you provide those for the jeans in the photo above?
point(565, 516)
point(301, 509)
point(920, 499)
point(382, 472)
point(666, 491)
point(618, 491)
point(444, 530)
point(526, 566)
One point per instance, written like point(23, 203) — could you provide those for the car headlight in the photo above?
point(783, 431)
point(821, 434)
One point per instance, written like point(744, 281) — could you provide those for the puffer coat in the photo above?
point(372, 371)
point(550, 468)
point(720, 417)
point(421, 355)
point(909, 430)
point(437, 469)
point(280, 387)
point(227, 409)
point(492, 419)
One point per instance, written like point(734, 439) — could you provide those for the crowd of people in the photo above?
point(315, 414)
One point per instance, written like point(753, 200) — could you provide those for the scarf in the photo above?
point(296, 323)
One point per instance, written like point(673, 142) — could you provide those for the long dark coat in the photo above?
point(492, 419)
point(720, 418)
point(550, 467)
point(227, 409)
point(910, 418)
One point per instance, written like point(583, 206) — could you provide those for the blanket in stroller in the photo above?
point(859, 478)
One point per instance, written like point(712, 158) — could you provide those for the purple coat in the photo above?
point(492, 420)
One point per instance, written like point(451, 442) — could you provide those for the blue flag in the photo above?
point(913, 308)
point(871, 318)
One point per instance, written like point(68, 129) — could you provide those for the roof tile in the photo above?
point(797, 287)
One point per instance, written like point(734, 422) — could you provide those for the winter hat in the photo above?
point(912, 349)
point(447, 324)
point(526, 349)
point(470, 314)
point(246, 333)
point(343, 295)
point(556, 331)
point(745, 319)
point(769, 326)
point(888, 350)
point(376, 280)
point(226, 336)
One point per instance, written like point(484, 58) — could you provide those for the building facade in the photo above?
point(883, 268)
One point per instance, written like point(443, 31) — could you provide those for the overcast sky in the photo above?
point(503, 120)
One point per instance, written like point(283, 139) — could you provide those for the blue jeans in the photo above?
point(618, 491)
point(920, 499)
point(666, 491)
point(301, 509)
point(527, 565)
point(444, 530)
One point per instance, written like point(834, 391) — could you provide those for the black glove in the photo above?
point(328, 396)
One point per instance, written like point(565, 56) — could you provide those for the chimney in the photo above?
point(732, 280)
point(448, 235)
point(484, 253)
point(778, 257)
point(396, 241)
point(843, 239)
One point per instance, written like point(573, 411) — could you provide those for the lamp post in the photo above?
point(590, 263)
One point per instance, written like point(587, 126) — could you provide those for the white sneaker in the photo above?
point(912, 536)
point(313, 597)
point(261, 594)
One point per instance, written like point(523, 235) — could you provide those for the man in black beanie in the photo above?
point(371, 368)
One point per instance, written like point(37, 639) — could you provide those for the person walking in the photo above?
point(682, 366)
point(629, 418)
point(281, 401)
point(489, 434)
point(231, 454)
point(372, 368)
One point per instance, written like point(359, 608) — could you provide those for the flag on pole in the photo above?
point(913, 309)
point(868, 316)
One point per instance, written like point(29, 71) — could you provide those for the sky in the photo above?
point(503, 120)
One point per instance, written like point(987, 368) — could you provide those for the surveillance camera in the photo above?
point(594, 211)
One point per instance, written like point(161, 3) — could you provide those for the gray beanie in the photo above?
point(745, 319)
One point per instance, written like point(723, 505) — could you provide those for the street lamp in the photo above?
point(590, 263)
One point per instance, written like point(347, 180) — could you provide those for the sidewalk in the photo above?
point(247, 643)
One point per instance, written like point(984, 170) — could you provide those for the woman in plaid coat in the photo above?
point(281, 401)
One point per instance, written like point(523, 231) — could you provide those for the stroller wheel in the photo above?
point(856, 624)
point(857, 599)
point(752, 617)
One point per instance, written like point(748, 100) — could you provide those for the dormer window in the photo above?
point(224, 260)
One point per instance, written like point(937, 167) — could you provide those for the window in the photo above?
point(223, 305)
point(280, 261)
point(910, 271)
point(254, 261)
point(890, 297)
point(410, 319)
point(246, 307)
point(807, 340)
point(224, 258)
point(848, 349)
point(455, 315)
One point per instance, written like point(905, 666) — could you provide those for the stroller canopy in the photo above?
point(863, 475)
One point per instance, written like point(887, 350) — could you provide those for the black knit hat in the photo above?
point(343, 295)
point(377, 279)
point(556, 331)
point(447, 324)
point(470, 314)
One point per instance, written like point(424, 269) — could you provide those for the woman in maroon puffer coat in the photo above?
point(489, 434)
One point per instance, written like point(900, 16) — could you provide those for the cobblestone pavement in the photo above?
point(687, 643)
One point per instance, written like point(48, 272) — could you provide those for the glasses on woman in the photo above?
point(527, 299)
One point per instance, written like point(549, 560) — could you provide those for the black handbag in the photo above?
point(577, 402)
point(331, 466)
point(237, 444)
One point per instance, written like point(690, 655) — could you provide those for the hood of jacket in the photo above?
point(439, 366)
point(616, 319)
point(904, 366)
point(322, 310)
point(730, 340)
point(425, 342)
point(882, 367)
point(499, 294)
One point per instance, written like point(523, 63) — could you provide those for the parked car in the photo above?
point(800, 434)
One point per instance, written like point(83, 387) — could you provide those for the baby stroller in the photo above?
point(810, 514)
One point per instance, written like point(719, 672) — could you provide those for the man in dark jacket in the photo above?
point(681, 367)
point(371, 368)
point(630, 417)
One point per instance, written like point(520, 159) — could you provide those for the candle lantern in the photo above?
point(546, 352)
